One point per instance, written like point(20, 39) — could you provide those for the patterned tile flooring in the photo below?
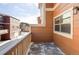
point(44, 49)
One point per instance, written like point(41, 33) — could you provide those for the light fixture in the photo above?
point(75, 10)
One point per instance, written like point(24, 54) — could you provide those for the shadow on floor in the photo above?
point(44, 49)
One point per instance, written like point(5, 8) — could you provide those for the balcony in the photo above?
point(56, 33)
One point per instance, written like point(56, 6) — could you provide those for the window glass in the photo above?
point(57, 27)
point(66, 15)
point(1, 26)
point(57, 20)
point(1, 19)
point(65, 28)
point(68, 20)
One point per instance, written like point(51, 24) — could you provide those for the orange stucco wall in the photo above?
point(43, 34)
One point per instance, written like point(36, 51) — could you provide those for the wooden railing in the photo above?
point(21, 48)
point(17, 46)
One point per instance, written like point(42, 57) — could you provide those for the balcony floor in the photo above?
point(44, 49)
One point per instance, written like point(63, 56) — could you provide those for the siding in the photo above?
point(43, 34)
point(69, 46)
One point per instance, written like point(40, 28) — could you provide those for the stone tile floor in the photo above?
point(44, 49)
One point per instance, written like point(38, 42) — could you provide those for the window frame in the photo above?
point(67, 35)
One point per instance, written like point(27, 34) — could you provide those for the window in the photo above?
point(1, 26)
point(62, 23)
point(66, 28)
point(1, 23)
point(1, 19)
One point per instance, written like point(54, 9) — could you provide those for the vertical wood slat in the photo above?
point(21, 48)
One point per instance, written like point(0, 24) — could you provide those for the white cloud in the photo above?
point(19, 8)
point(30, 20)
point(36, 4)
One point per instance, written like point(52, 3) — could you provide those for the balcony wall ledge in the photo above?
point(5, 46)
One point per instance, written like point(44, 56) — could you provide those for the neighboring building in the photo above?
point(11, 24)
point(2, 29)
point(25, 27)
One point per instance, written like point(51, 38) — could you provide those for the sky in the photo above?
point(26, 12)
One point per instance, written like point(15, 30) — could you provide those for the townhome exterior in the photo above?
point(64, 33)
point(11, 24)
point(58, 23)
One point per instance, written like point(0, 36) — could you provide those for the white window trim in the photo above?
point(62, 33)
